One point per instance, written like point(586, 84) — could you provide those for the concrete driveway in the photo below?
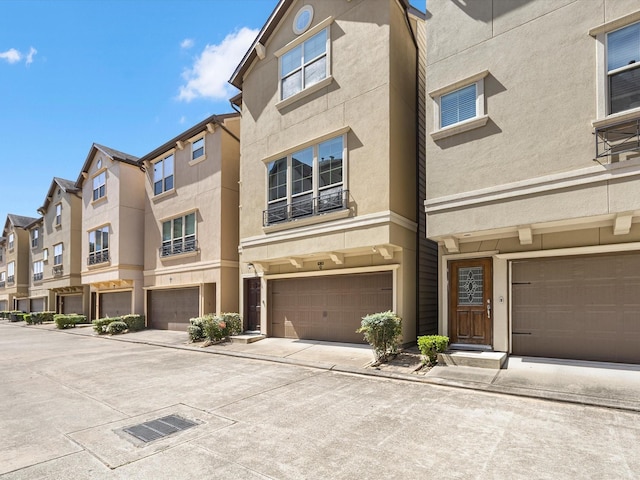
point(65, 401)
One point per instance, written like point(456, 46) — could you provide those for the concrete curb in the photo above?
point(548, 395)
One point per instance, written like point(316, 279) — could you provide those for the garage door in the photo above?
point(115, 304)
point(3, 306)
point(171, 309)
point(585, 308)
point(37, 304)
point(71, 304)
point(327, 308)
point(23, 305)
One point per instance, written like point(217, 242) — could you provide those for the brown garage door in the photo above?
point(115, 304)
point(327, 308)
point(37, 304)
point(71, 304)
point(171, 309)
point(585, 308)
point(23, 305)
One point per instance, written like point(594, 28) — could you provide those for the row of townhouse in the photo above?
point(474, 168)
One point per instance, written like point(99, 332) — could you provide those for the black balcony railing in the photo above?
point(98, 257)
point(37, 277)
point(2, 284)
point(11, 279)
point(306, 207)
point(177, 247)
point(619, 138)
point(58, 270)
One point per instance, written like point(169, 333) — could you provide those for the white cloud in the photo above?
point(12, 55)
point(212, 69)
point(183, 120)
point(30, 55)
point(186, 43)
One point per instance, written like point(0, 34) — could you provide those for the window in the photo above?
point(34, 238)
point(304, 65)
point(11, 270)
point(99, 186)
point(3, 278)
point(179, 235)
point(45, 254)
point(623, 68)
point(11, 241)
point(307, 182)
point(57, 254)
point(38, 269)
point(458, 106)
point(197, 149)
point(1, 254)
point(98, 246)
point(58, 214)
point(163, 175)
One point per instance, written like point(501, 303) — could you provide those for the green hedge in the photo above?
point(116, 327)
point(214, 327)
point(133, 323)
point(16, 316)
point(431, 345)
point(4, 314)
point(68, 321)
point(100, 325)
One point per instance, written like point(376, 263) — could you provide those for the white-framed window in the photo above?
point(58, 220)
point(11, 241)
point(310, 181)
point(11, 272)
point(1, 254)
point(57, 254)
point(305, 64)
point(163, 175)
point(3, 279)
point(459, 105)
point(179, 235)
point(34, 237)
point(623, 68)
point(45, 254)
point(99, 185)
point(38, 269)
point(197, 149)
point(98, 246)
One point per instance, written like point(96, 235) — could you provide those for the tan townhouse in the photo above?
point(4, 302)
point(61, 250)
point(38, 294)
point(533, 175)
point(16, 266)
point(328, 177)
point(191, 224)
point(112, 260)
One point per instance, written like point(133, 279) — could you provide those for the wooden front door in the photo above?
point(252, 305)
point(470, 302)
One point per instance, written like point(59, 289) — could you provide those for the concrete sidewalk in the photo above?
point(587, 383)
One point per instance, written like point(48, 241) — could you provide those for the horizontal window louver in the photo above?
point(458, 106)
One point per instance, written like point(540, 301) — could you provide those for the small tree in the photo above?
point(382, 331)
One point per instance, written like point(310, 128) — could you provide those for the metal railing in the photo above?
point(618, 138)
point(178, 247)
point(58, 270)
point(37, 277)
point(306, 207)
point(2, 284)
point(11, 280)
point(98, 257)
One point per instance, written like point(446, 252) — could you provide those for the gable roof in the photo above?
point(18, 221)
point(67, 186)
point(113, 154)
point(265, 33)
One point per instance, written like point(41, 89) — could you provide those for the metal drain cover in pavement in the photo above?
point(160, 428)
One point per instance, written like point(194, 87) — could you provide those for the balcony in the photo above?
point(37, 277)
point(178, 247)
point(58, 270)
point(11, 279)
point(2, 284)
point(306, 206)
point(618, 138)
point(98, 257)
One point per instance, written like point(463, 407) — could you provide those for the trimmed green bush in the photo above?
point(100, 325)
point(68, 321)
point(4, 314)
point(16, 316)
point(215, 329)
point(196, 329)
point(382, 331)
point(431, 345)
point(134, 322)
point(29, 318)
point(233, 323)
point(116, 327)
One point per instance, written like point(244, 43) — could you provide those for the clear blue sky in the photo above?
point(128, 74)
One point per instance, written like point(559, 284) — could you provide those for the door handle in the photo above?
point(488, 308)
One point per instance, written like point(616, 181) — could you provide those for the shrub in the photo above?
point(134, 322)
point(4, 314)
point(41, 317)
point(68, 321)
point(233, 323)
point(116, 327)
point(15, 316)
point(382, 331)
point(196, 329)
point(100, 325)
point(215, 329)
point(29, 318)
point(431, 345)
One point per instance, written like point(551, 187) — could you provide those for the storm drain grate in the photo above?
point(160, 428)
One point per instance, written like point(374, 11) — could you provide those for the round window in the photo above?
point(303, 19)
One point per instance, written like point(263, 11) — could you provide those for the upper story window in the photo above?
point(304, 65)
point(99, 185)
point(34, 238)
point(38, 270)
point(163, 175)
point(11, 241)
point(98, 246)
point(11, 272)
point(58, 220)
point(57, 254)
point(179, 235)
point(623, 68)
point(1, 254)
point(459, 105)
point(310, 181)
point(3, 278)
point(197, 149)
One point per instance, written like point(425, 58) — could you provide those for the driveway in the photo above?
point(65, 401)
